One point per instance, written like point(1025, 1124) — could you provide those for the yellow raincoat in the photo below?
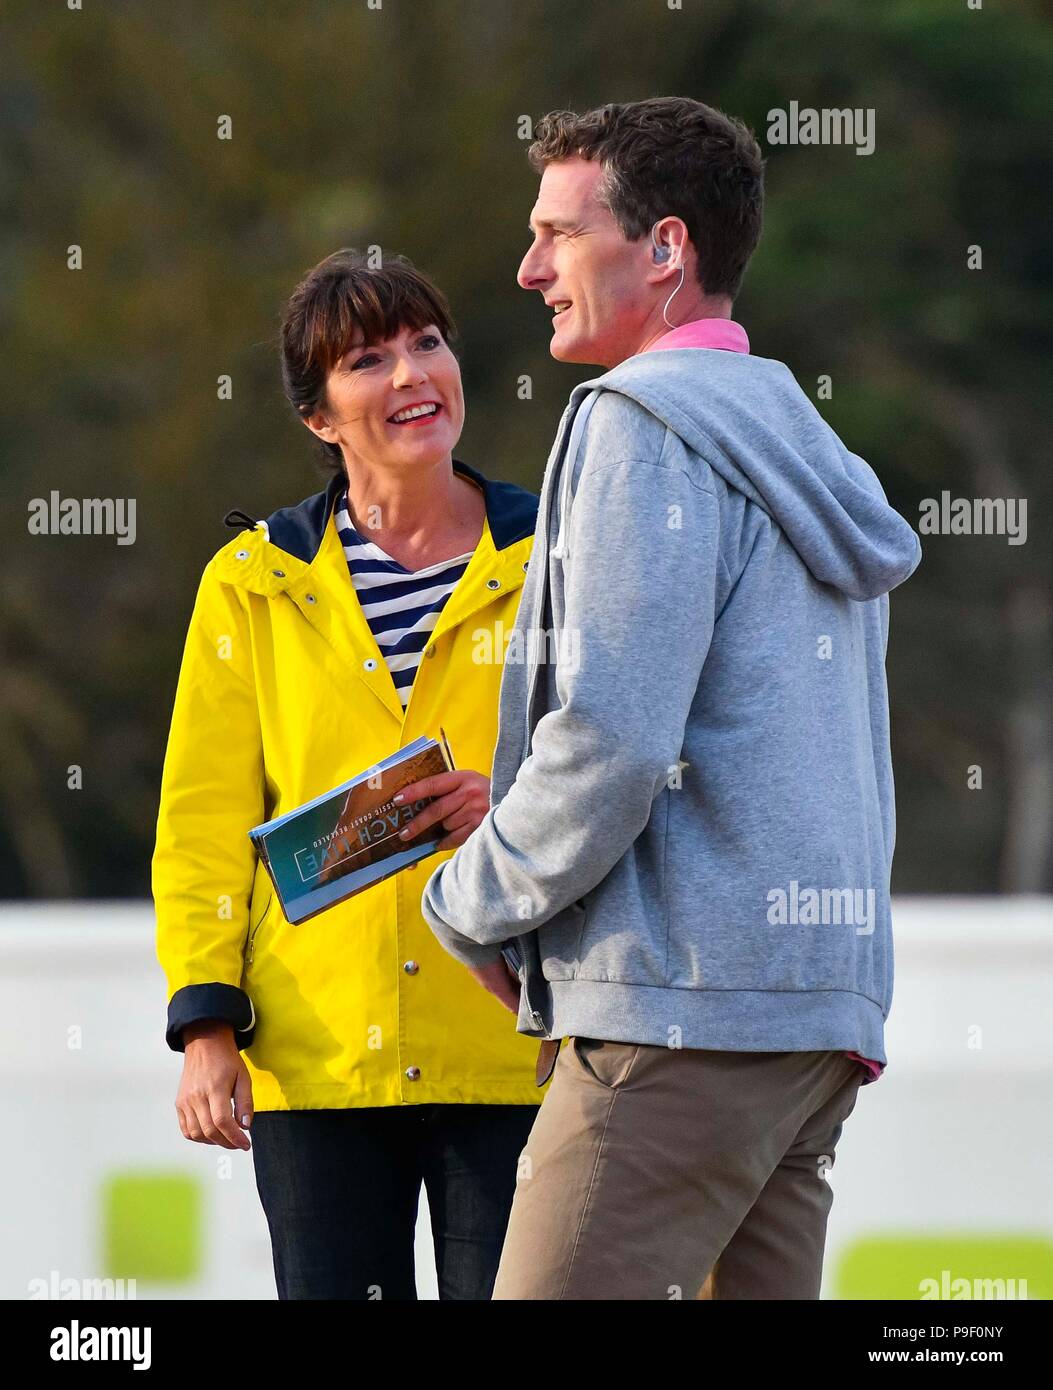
point(283, 694)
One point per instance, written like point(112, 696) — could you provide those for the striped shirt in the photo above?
point(401, 606)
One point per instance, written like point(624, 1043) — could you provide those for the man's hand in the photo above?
point(500, 981)
point(462, 801)
point(214, 1074)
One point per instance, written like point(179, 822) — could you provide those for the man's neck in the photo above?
point(698, 306)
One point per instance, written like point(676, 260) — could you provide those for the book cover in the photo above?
point(347, 839)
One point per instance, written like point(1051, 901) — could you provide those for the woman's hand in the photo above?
point(214, 1074)
point(462, 801)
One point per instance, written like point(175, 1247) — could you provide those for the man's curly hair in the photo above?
point(670, 157)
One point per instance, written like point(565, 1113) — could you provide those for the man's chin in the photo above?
point(570, 350)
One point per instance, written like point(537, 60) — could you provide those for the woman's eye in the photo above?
point(430, 340)
point(366, 361)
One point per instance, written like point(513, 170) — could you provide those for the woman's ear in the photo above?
point(318, 423)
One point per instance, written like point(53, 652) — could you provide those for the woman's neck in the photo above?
point(434, 515)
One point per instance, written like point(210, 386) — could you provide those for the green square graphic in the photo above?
point(152, 1227)
point(894, 1266)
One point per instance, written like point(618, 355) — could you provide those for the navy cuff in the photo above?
point(195, 1002)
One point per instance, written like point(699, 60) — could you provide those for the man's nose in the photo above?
point(532, 271)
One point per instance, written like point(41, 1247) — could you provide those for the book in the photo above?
point(347, 839)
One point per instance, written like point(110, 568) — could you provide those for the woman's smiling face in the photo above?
point(395, 404)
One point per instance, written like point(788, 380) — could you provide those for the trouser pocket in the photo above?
point(609, 1063)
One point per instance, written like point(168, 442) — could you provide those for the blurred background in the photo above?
point(405, 125)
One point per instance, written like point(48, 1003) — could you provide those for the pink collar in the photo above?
point(705, 333)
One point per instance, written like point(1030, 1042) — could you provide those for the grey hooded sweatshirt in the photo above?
point(692, 818)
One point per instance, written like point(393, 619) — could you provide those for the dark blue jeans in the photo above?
point(339, 1189)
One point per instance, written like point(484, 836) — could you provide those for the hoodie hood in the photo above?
point(749, 420)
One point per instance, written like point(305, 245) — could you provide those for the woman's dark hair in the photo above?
point(344, 296)
point(670, 157)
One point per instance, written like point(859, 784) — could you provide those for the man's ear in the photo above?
point(669, 233)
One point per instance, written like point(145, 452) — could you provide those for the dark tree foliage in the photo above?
point(404, 127)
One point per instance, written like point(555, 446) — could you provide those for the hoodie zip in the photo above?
point(528, 948)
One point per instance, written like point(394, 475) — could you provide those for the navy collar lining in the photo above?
point(511, 512)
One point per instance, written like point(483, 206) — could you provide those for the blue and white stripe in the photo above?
point(401, 606)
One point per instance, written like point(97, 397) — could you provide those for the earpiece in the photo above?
point(661, 254)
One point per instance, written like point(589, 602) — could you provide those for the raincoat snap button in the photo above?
point(526, 564)
point(370, 663)
point(310, 598)
point(411, 967)
point(413, 1073)
point(493, 583)
point(241, 555)
point(278, 574)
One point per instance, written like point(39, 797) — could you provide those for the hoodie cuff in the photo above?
point(462, 948)
point(467, 952)
point(225, 1002)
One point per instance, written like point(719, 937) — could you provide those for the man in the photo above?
point(691, 821)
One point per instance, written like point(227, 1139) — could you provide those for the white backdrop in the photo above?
point(957, 1134)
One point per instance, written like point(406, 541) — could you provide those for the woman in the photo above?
point(364, 1057)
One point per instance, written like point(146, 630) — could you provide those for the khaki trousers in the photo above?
point(648, 1169)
